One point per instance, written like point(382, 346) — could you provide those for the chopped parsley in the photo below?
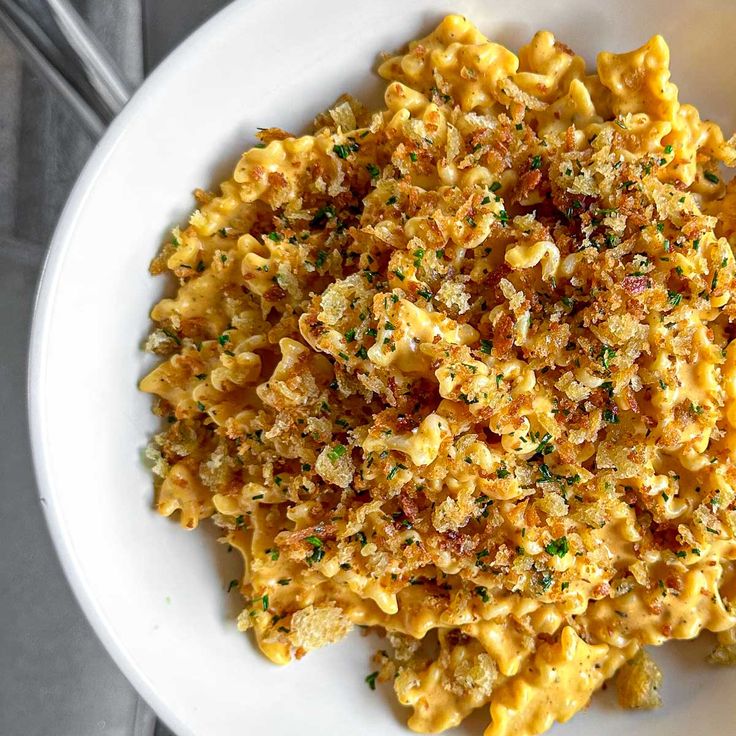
point(545, 581)
point(482, 592)
point(610, 416)
point(711, 177)
point(371, 680)
point(607, 355)
point(544, 447)
point(336, 452)
point(322, 215)
point(392, 473)
point(321, 258)
point(674, 297)
point(558, 547)
point(545, 474)
point(345, 149)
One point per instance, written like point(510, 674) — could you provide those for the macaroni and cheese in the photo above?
point(463, 369)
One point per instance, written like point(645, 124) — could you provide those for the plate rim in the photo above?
point(46, 287)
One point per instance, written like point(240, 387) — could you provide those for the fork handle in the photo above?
point(60, 45)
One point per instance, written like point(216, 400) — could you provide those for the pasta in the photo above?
point(463, 369)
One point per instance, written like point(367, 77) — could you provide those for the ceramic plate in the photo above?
point(155, 594)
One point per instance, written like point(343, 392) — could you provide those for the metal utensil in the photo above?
point(61, 47)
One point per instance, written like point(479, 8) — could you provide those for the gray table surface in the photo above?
point(55, 677)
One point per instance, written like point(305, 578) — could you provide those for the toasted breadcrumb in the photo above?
point(314, 627)
point(159, 465)
point(160, 342)
point(638, 682)
point(476, 676)
point(725, 652)
point(404, 647)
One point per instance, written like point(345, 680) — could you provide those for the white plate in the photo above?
point(154, 593)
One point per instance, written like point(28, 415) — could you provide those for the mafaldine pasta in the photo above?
point(464, 369)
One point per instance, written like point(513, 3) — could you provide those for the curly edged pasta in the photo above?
point(465, 367)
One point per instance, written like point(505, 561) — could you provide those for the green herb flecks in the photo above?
point(336, 453)
point(557, 547)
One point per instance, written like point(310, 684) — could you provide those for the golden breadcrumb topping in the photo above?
point(638, 682)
